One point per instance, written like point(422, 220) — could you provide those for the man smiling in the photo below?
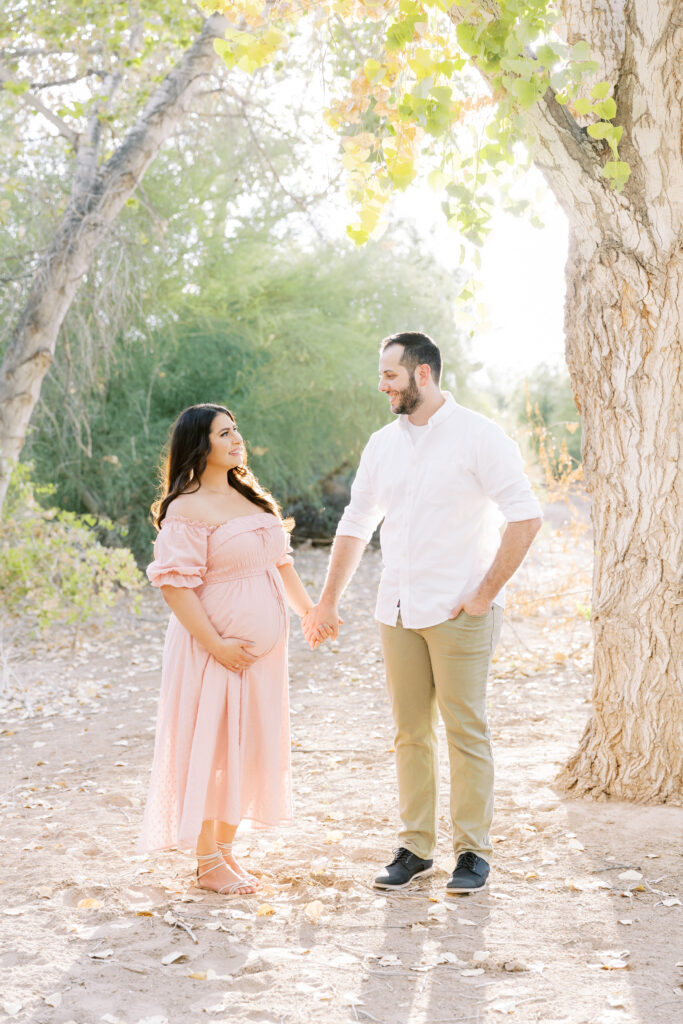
point(442, 478)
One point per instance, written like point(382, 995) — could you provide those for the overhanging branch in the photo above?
point(29, 100)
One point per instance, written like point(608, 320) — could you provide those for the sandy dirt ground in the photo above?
point(581, 922)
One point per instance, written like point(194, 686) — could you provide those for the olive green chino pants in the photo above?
point(445, 667)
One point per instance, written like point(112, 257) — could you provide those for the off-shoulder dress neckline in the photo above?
point(175, 516)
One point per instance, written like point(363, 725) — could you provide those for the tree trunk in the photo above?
point(625, 360)
point(623, 316)
point(96, 200)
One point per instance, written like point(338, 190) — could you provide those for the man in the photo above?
point(439, 476)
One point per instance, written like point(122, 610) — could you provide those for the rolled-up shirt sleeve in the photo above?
point(500, 470)
point(364, 511)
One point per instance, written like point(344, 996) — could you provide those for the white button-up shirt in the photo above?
point(443, 497)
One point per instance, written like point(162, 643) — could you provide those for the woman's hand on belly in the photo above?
point(233, 653)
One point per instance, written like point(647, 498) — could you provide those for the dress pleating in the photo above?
point(222, 747)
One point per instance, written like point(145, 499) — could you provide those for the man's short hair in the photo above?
point(417, 348)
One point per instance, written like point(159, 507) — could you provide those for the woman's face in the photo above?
point(227, 449)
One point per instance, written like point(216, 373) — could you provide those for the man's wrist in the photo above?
point(485, 594)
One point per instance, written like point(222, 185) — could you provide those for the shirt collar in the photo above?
point(441, 414)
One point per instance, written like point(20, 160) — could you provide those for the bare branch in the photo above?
point(29, 100)
point(69, 81)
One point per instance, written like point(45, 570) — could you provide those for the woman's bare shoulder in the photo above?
point(190, 506)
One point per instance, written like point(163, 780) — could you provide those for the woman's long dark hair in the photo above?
point(186, 461)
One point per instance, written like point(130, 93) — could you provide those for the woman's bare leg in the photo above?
point(225, 834)
point(222, 874)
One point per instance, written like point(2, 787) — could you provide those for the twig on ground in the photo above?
point(616, 867)
point(170, 918)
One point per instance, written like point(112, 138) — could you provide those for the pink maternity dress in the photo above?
point(222, 746)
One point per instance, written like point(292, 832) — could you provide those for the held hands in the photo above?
point(320, 623)
point(233, 653)
point(473, 604)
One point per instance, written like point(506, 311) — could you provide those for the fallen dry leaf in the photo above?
point(314, 911)
point(265, 910)
point(614, 965)
point(630, 876)
point(89, 903)
point(449, 958)
point(613, 959)
point(503, 1006)
point(173, 958)
point(389, 960)
point(198, 975)
point(514, 966)
point(672, 901)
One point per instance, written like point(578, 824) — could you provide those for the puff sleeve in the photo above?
point(179, 554)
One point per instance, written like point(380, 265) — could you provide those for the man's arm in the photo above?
point(515, 543)
point(344, 560)
point(356, 526)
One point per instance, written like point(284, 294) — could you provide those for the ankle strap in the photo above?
point(224, 846)
point(208, 857)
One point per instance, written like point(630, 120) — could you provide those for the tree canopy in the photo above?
point(440, 87)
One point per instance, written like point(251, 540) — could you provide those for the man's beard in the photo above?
point(409, 399)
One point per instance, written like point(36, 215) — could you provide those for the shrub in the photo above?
point(53, 567)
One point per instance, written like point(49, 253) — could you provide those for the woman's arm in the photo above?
point(187, 608)
point(297, 594)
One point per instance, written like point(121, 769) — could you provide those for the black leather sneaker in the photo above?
point(404, 869)
point(470, 874)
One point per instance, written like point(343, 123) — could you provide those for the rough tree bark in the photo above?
point(623, 315)
point(98, 193)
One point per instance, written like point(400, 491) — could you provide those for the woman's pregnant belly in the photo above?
point(247, 609)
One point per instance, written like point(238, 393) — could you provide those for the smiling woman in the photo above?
point(223, 564)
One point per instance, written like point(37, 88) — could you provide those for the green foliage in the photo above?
point(289, 343)
point(545, 406)
point(410, 95)
point(53, 567)
point(115, 52)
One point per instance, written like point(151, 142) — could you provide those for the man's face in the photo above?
point(397, 382)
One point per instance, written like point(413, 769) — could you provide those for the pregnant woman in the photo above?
point(221, 559)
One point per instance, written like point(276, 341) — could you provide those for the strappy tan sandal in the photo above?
point(226, 890)
point(248, 879)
